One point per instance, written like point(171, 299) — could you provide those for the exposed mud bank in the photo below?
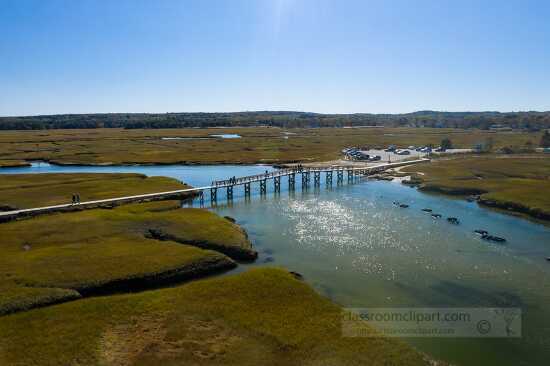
point(511, 207)
point(453, 191)
point(176, 276)
point(161, 279)
point(515, 207)
point(237, 253)
point(60, 296)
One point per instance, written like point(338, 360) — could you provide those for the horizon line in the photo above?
point(276, 111)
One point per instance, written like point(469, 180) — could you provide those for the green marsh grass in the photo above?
point(263, 316)
point(109, 249)
point(517, 183)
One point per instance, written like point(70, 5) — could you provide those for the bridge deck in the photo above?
point(290, 171)
point(215, 185)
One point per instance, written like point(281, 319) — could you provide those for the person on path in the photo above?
point(74, 199)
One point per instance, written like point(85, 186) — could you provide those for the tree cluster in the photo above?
point(532, 121)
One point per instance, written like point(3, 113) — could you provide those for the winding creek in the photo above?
point(353, 245)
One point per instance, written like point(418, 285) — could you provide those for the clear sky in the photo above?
point(339, 56)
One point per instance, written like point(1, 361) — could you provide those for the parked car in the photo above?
point(403, 152)
point(375, 158)
point(390, 148)
point(440, 149)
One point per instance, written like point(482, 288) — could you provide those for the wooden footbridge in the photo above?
point(305, 173)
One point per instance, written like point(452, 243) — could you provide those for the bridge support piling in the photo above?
point(328, 178)
point(305, 179)
point(201, 198)
point(291, 181)
point(339, 176)
point(263, 186)
point(277, 184)
point(213, 194)
point(350, 175)
point(229, 192)
point(317, 178)
point(247, 189)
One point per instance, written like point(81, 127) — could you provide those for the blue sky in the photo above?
point(69, 56)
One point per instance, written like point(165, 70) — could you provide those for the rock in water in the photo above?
point(453, 220)
point(493, 238)
point(229, 218)
point(496, 238)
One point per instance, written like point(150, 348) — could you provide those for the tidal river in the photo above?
point(355, 246)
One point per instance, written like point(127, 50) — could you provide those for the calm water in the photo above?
point(353, 245)
point(192, 174)
point(220, 136)
point(227, 136)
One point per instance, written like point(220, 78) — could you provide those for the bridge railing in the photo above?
point(302, 169)
point(278, 173)
point(253, 178)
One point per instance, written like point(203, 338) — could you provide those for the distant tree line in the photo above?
point(483, 120)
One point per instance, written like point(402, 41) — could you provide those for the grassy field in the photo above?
point(260, 317)
point(35, 190)
point(263, 316)
point(257, 145)
point(62, 256)
point(514, 183)
point(13, 163)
